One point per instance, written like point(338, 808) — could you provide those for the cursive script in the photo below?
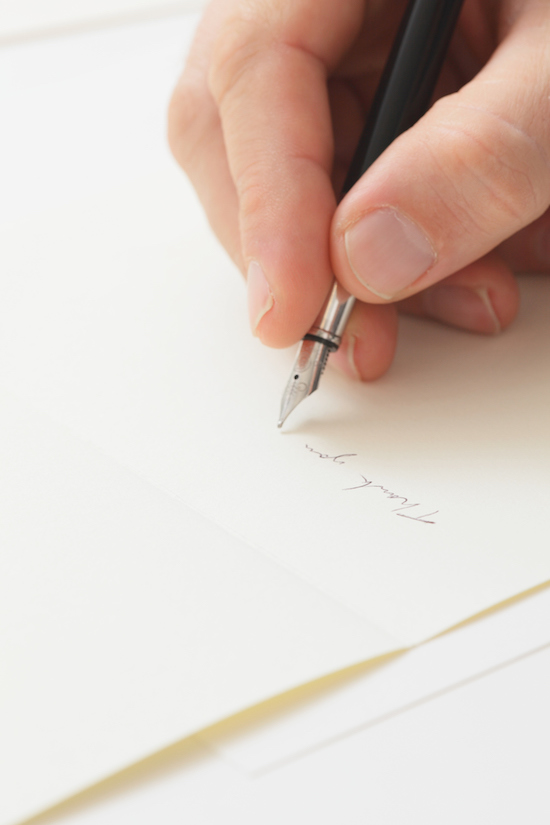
point(334, 458)
point(407, 509)
point(406, 505)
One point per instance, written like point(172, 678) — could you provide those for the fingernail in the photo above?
point(459, 306)
point(260, 299)
point(387, 252)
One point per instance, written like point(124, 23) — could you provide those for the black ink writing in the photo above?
point(407, 509)
point(333, 458)
point(406, 505)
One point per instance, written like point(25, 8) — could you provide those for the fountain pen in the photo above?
point(402, 97)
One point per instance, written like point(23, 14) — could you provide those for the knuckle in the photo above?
point(499, 175)
point(251, 190)
point(184, 118)
point(240, 41)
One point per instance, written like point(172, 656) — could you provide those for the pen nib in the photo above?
point(307, 369)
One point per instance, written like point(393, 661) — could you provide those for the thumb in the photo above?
point(471, 173)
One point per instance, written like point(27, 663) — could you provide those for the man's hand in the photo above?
point(265, 119)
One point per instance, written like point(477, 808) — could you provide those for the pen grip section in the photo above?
point(331, 321)
point(408, 79)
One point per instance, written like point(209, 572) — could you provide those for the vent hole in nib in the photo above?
point(296, 377)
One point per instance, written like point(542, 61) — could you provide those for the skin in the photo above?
point(265, 119)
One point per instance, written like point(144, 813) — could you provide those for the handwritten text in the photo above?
point(407, 509)
point(335, 458)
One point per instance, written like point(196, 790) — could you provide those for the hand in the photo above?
point(265, 120)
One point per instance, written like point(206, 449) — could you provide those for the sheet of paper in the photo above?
point(478, 754)
point(122, 357)
point(127, 620)
point(296, 724)
point(414, 502)
point(30, 18)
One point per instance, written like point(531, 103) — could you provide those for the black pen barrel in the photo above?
point(408, 79)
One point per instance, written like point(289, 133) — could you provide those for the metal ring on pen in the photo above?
point(323, 336)
point(329, 343)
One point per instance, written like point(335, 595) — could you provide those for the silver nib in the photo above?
point(324, 337)
point(304, 379)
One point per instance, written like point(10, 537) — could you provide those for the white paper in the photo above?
point(298, 723)
point(127, 621)
point(20, 19)
point(147, 354)
point(478, 754)
point(123, 357)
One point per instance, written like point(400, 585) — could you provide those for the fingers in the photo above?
point(474, 171)
point(196, 139)
point(268, 77)
point(529, 250)
point(250, 123)
point(483, 297)
point(369, 342)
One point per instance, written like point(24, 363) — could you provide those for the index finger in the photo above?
point(268, 76)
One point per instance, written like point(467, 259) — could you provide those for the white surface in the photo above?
point(477, 755)
point(86, 114)
point(293, 725)
point(20, 19)
point(127, 620)
point(96, 317)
